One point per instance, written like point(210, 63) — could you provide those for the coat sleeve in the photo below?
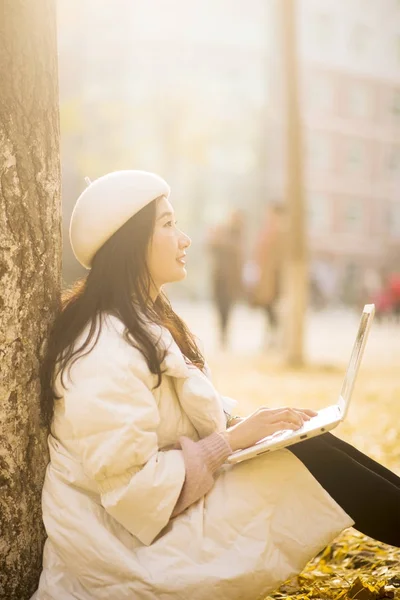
point(202, 459)
point(114, 418)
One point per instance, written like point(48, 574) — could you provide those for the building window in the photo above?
point(322, 94)
point(394, 219)
point(353, 215)
point(359, 100)
point(354, 155)
point(396, 103)
point(360, 40)
point(393, 159)
point(319, 215)
point(319, 151)
point(323, 30)
point(398, 49)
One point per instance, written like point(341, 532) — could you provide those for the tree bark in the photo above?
point(30, 275)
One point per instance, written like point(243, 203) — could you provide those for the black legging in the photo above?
point(367, 491)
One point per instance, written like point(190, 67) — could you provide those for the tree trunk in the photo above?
point(296, 264)
point(30, 275)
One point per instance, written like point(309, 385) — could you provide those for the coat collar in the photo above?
point(199, 399)
point(174, 363)
point(197, 396)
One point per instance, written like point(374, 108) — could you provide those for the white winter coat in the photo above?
point(112, 483)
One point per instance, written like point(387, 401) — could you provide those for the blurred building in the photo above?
point(349, 57)
point(194, 91)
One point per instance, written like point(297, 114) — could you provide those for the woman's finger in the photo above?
point(304, 415)
point(294, 416)
point(308, 411)
point(286, 415)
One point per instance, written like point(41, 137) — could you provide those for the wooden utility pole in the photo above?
point(296, 265)
point(30, 267)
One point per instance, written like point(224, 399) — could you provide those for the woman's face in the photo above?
point(166, 256)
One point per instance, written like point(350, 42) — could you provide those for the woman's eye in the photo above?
point(170, 223)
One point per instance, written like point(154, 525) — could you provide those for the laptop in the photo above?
point(327, 418)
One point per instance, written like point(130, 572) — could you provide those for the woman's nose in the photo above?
point(185, 241)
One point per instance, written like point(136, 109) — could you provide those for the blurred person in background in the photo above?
point(138, 501)
point(371, 289)
point(352, 293)
point(387, 298)
point(323, 283)
point(225, 243)
point(372, 283)
point(269, 255)
point(394, 290)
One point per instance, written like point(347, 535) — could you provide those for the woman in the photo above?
point(269, 259)
point(226, 248)
point(137, 501)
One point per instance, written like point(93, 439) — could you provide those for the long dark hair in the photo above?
point(118, 275)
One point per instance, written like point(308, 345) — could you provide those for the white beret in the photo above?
point(107, 204)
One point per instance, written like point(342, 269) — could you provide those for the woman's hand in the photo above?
point(264, 422)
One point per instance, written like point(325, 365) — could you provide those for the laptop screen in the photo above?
point(356, 356)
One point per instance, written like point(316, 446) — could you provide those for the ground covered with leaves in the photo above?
point(353, 566)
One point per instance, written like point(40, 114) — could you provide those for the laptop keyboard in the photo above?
point(324, 416)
